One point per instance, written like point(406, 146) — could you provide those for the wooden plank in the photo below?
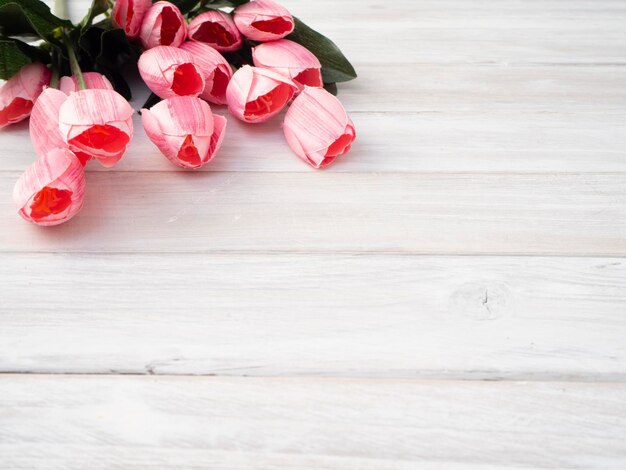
point(331, 315)
point(335, 212)
point(166, 423)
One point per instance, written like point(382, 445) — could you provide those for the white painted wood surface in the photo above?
point(450, 295)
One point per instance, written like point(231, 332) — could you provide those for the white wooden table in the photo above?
point(450, 295)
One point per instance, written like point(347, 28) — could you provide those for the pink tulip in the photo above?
point(217, 29)
point(290, 59)
point(98, 123)
point(184, 130)
point(93, 80)
point(263, 20)
point(317, 127)
point(163, 25)
point(215, 69)
point(52, 189)
point(18, 94)
point(44, 124)
point(169, 71)
point(128, 15)
point(256, 95)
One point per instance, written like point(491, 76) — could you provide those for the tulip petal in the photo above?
point(97, 122)
point(255, 95)
point(290, 59)
point(217, 29)
point(44, 121)
point(217, 139)
point(129, 14)
point(170, 71)
point(215, 69)
point(93, 80)
point(317, 127)
point(51, 190)
point(184, 130)
point(18, 94)
point(263, 20)
point(163, 25)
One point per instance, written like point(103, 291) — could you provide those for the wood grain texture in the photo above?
point(486, 129)
point(360, 316)
point(150, 422)
point(336, 212)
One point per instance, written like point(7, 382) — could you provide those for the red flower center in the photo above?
point(214, 33)
point(310, 77)
point(187, 80)
point(268, 103)
point(50, 201)
point(339, 146)
point(188, 152)
point(130, 12)
point(220, 83)
point(277, 25)
point(17, 109)
point(101, 137)
point(170, 24)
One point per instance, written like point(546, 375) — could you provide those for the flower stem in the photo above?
point(60, 9)
point(74, 65)
point(56, 70)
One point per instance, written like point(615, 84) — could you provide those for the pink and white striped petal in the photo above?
point(170, 71)
point(215, 69)
point(184, 130)
point(93, 80)
point(163, 25)
point(129, 14)
point(290, 59)
point(217, 29)
point(97, 122)
point(263, 20)
point(19, 93)
point(51, 190)
point(317, 127)
point(256, 95)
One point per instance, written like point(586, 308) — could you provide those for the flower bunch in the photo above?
point(252, 56)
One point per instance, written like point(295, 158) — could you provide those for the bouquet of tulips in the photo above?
point(252, 56)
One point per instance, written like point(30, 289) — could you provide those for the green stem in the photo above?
point(56, 71)
point(74, 65)
point(60, 9)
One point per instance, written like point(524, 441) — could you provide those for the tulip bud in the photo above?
point(163, 25)
point(44, 124)
point(215, 69)
point(317, 127)
point(19, 93)
point(128, 15)
point(217, 29)
point(256, 95)
point(169, 71)
point(93, 80)
point(98, 123)
point(263, 20)
point(51, 190)
point(290, 59)
point(184, 130)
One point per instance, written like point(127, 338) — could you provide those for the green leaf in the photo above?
point(185, 6)
point(97, 8)
point(28, 18)
point(335, 66)
point(12, 59)
point(106, 47)
point(331, 88)
point(151, 101)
